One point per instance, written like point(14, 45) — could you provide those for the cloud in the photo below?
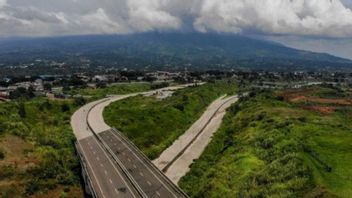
point(298, 17)
point(146, 15)
point(331, 18)
point(100, 22)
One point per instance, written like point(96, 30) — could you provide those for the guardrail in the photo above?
point(119, 163)
point(149, 162)
point(87, 180)
point(138, 152)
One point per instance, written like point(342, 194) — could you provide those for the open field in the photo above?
point(271, 146)
point(153, 124)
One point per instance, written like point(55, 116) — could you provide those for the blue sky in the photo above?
point(318, 25)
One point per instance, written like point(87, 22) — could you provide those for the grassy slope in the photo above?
point(272, 148)
point(153, 125)
point(39, 151)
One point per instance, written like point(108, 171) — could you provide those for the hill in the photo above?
point(291, 143)
point(169, 51)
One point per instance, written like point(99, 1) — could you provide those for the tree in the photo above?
point(101, 84)
point(65, 107)
point(2, 154)
point(47, 86)
point(80, 101)
point(22, 110)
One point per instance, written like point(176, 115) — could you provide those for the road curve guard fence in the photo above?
point(88, 188)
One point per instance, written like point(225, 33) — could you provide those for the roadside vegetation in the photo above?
point(123, 88)
point(153, 124)
point(37, 154)
point(293, 143)
point(38, 149)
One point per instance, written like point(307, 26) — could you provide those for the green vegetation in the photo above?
point(122, 88)
point(270, 147)
point(37, 155)
point(2, 154)
point(38, 141)
point(154, 124)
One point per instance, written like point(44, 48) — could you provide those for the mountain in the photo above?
point(169, 51)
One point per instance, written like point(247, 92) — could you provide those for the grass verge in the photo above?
point(154, 124)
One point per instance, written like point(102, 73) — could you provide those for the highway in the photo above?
point(108, 180)
point(114, 165)
point(148, 177)
point(175, 161)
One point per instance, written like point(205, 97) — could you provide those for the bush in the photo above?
point(80, 101)
point(65, 107)
point(2, 154)
point(22, 110)
point(6, 172)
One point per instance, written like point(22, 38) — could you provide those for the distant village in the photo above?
point(59, 86)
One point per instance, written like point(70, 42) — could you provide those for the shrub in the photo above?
point(80, 101)
point(2, 154)
point(22, 110)
point(65, 107)
point(6, 171)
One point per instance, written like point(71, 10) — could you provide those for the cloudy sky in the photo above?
point(319, 25)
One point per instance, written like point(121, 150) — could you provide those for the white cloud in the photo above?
point(300, 17)
point(3, 3)
point(100, 22)
point(146, 15)
point(293, 17)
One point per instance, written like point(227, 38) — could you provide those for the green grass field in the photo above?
point(270, 147)
point(153, 124)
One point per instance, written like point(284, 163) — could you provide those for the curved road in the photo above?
point(107, 178)
point(115, 166)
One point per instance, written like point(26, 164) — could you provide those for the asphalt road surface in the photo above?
point(115, 166)
point(107, 178)
point(147, 176)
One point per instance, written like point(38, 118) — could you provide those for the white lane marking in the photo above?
point(106, 173)
point(148, 182)
point(162, 183)
point(94, 152)
point(98, 158)
point(130, 190)
point(110, 181)
point(117, 192)
point(101, 165)
point(141, 174)
point(157, 192)
point(134, 166)
point(129, 159)
point(95, 177)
